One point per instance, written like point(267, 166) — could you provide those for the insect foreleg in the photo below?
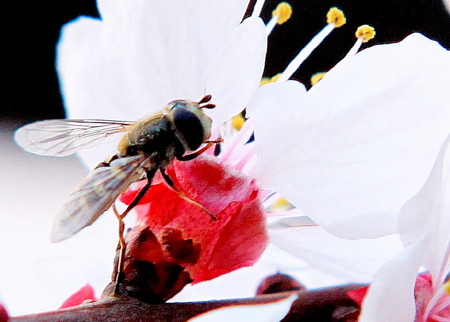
point(194, 154)
point(181, 194)
point(106, 163)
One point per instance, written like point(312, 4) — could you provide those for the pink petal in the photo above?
point(228, 194)
point(83, 294)
point(359, 294)
point(4, 317)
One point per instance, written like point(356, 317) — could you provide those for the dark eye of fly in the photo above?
point(131, 150)
point(190, 127)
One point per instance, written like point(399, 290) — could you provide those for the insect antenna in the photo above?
point(205, 99)
point(208, 106)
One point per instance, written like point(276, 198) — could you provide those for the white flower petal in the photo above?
point(350, 260)
point(244, 282)
point(360, 142)
point(273, 109)
point(243, 51)
point(428, 212)
point(287, 219)
point(166, 48)
point(125, 13)
point(241, 283)
point(391, 294)
point(87, 82)
point(272, 312)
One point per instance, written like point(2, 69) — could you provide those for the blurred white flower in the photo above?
point(447, 4)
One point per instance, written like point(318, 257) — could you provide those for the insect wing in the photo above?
point(95, 194)
point(64, 137)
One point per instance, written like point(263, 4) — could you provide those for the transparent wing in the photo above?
point(95, 194)
point(64, 137)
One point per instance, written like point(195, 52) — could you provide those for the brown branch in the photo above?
point(331, 304)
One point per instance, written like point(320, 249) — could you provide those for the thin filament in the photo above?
point(305, 52)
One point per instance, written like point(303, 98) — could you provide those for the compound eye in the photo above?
point(189, 126)
point(131, 150)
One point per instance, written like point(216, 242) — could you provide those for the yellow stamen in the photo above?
point(336, 16)
point(283, 11)
point(447, 287)
point(264, 81)
point(317, 77)
point(335, 19)
point(363, 34)
point(365, 31)
point(280, 205)
point(267, 80)
point(275, 78)
point(237, 121)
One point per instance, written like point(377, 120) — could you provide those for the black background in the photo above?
point(30, 30)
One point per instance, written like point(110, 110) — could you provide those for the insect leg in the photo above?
point(141, 193)
point(181, 194)
point(121, 245)
point(120, 217)
point(193, 155)
point(107, 162)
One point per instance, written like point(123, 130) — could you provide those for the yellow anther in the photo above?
point(447, 287)
point(237, 121)
point(280, 205)
point(267, 80)
point(283, 11)
point(365, 31)
point(317, 77)
point(337, 16)
point(275, 78)
point(264, 81)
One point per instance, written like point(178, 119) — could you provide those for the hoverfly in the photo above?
point(149, 145)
